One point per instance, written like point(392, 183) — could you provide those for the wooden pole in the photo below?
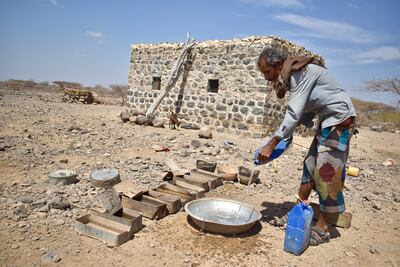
point(174, 75)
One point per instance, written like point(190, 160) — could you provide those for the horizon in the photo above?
point(89, 41)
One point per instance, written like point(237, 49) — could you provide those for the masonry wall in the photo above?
point(243, 104)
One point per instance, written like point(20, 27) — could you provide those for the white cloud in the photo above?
point(281, 3)
point(380, 54)
point(328, 29)
point(352, 5)
point(96, 35)
point(54, 2)
point(79, 54)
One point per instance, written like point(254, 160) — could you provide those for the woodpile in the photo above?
point(79, 96)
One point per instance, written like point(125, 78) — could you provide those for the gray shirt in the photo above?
point(313, 91)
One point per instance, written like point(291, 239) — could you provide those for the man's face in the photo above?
point(270, 72)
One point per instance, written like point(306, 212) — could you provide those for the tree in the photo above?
point(121, 90)
point(387, 86)
point(64, 84)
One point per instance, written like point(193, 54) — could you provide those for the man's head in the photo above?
point(270, 61)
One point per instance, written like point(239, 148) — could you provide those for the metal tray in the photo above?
point(222, 216)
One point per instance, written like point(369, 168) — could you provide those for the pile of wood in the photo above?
point(79, 96)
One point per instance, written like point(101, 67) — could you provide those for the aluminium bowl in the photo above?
point(222, 216)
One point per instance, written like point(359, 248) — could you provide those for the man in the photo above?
point(312, 91)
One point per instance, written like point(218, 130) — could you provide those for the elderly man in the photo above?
point(312, 91)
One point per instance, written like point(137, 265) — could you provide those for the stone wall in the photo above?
point(241, 104)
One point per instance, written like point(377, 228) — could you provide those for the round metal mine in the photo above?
point(222, 216)
point(107, 177)
point(64, 177)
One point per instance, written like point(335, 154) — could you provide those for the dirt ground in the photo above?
point(39, 134)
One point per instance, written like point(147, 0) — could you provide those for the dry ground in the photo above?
point(37, 132)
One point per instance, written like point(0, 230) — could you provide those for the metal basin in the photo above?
point(222, 216)
point(64, 177)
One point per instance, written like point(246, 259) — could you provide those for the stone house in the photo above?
point(220, 86)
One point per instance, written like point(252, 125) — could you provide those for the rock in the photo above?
point(21, 210)
point(377, 128)
point(64, 161)
point(60, 203)
point(373, 250)
point(136, 112)
point(208, 152)
point(14, 246)
point(195, 143)
point(376, 205)
point(349, 254)
point(205, 133)
point(50, 257)
point(184, 153)
point(38, 204)
point(190, 126)
point(216, 152)
point(158, 123)
point(388, 162)
point(26, 200)
point(205, 165)
point(45, 208)
point(141, 120)
point(124, 116)
point(59, 222)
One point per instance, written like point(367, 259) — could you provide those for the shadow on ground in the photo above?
point(272, 210)
point(253, 231)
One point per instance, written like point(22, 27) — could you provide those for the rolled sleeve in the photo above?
point(301, 86)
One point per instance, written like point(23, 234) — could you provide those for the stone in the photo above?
point(136, 112)
point(195, 143)
point(376, 205)
point(21, 210)
point(158, 123)
point(26, 200)
point(59, 202)
point(50, 257)
point(189, 126)
point(141, 120)
point(205, 165)
point(388, 162)
point(64, 161)
point(60, 222)
point(205, 132)
point(373, 250)
point(38, 204)
point(184, 153)
point(377, 128)
point(124, 116)
point(45, 208)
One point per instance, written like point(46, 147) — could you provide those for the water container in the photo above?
point(297, 234)
point(276, 153)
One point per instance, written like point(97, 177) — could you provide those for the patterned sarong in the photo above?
point(325, 166)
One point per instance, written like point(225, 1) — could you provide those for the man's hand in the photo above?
point(266, 151)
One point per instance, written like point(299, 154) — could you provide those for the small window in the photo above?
point(156, 85)
point(213, 85)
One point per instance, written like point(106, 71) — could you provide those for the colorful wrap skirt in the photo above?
point(325, 165)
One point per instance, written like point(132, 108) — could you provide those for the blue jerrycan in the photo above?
point(297, 235)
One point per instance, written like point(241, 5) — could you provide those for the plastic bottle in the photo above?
point(297, 236)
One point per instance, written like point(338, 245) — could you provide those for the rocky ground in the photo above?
point(39, 134)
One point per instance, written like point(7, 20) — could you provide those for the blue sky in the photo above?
point(88, 41)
